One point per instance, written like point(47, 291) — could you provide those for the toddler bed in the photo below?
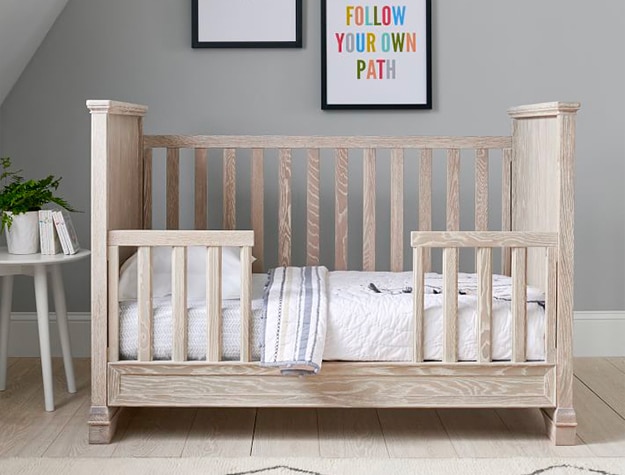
point(167, 331)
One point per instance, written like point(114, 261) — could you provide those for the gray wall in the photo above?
point(488, 55)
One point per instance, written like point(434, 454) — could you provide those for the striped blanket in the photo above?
point(295, 315)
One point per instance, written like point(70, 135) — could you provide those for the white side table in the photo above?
point(38, 265)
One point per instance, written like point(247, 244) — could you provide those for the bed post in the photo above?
point(543, 171)
point(116, 203)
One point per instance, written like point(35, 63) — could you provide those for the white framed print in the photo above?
point(246, 23)
point(376, 54)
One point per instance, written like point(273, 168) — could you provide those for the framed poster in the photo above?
point(246, 23)
point(376, 54)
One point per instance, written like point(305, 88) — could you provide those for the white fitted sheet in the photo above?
point(362, 325)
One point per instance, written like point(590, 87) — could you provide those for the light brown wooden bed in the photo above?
point(536, 238)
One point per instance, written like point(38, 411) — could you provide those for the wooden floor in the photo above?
point(26, 430)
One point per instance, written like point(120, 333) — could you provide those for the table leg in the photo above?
point(60, 308)
point(41, 298)
point(5, 322)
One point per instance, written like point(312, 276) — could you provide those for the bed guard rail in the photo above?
point(484, 242)
point(179, 241)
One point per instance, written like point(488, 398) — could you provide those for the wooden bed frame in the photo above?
point(536, 239)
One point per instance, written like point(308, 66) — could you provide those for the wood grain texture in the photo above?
point(201, 188)
point(173, 188)
point(113, 320)
point(246, 302)
point(229, 189)
point(425, 200)
point(170, 426)
point(312, 208)
point(453, 189)
point(108, 107)
point(483, 239)
point(144, 303)
point(418, 258)
point(286, 433)
point(484, 303)
point(397, 210)
point(600, 427)
point(544, 109)
point(368, 210)
point(506, 206)
point(222, 432)
point(606, 381)
point(213, 303)
point(329, 142)
point(258, 208)
point(284, 213)
point(566, 213)
point(180, 238)
point(414, 433)
point(551, 308)
point(527, 432)
point(519, 304)
point(99, 227)
point(450, 305)
point(479, 432)
point(147, 188)
point(350, 433)
point(340, 208)
point(481, 190)
point(179, 303)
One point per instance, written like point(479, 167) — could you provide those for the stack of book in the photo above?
point(57, 233)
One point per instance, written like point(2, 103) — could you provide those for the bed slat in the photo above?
point(453, 189)
point(173, 187)
point(312, 208)
point(147, 188)
point(246, 302)
point(179, 303)
point(284, 217)
point(213, 303)
point(485, 302)
point(481, 190)
point(201, 189)
point(450, 309)
point(340, 211)
point(519, 303)
point(418, 256)
point(258, 208)
point(506, 205)
point(397, 210)
point(425, 201)
point(144, 298)
point(113, 320)
point(368, 210)
point(230, 191)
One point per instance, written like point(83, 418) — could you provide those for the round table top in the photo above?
point(38, 258)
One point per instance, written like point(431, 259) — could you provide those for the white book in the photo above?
point(66, 231)
point(47, 235)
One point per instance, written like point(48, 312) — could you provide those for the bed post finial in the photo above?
point(543, 164)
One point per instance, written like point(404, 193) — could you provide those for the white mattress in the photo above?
point(362, 325)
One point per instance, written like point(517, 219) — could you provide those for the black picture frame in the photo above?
point(342, 84)
point(246, 39)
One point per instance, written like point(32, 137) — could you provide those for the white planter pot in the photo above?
point(23, 235)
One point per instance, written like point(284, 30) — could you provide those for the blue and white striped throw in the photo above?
point(295, 314)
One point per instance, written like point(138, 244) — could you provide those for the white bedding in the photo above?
point(362, 325)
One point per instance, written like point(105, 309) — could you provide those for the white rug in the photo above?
point(312, 466)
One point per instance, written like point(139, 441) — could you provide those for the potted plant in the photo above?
point(20, 201)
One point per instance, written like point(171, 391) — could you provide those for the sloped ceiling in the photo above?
point(23, 26)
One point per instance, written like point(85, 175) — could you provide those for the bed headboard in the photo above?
point(289, 183)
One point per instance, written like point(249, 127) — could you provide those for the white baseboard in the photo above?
point(595, 334)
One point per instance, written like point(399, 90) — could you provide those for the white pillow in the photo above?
point(196, 274)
